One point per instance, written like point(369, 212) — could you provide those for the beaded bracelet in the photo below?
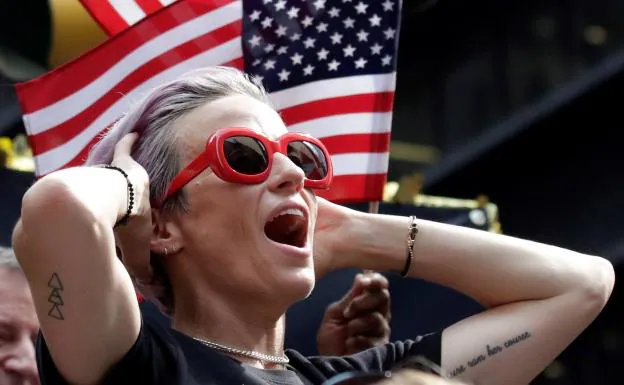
point(411, 238)
point(126, 216)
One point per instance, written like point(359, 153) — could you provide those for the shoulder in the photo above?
point(317, 368)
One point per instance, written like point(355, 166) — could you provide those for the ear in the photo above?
point(165, 233)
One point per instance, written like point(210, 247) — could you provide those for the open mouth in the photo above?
point(289, 226)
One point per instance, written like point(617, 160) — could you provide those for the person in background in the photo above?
point(18, 324)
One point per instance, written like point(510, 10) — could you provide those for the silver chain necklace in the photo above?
point(282, 360)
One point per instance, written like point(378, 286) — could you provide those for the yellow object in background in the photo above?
point(18, 154)
point(6, 147)
point(74, 31)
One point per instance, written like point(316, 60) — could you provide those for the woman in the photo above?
point(222, 199)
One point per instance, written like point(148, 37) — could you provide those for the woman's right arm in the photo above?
point(84, 297)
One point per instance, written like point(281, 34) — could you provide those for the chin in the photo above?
point(298, 284)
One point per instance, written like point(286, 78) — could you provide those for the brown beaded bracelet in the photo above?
point(411, 238)
point(126, 216)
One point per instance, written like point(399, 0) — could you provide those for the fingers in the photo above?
point(374, 298)
point(371, 325)
point(124, 146)
point(367, 331)
point(370, 281)
point(360, 282)
point(364, 286)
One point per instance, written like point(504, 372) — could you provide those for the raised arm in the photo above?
point(540, 297)
point(65, 243)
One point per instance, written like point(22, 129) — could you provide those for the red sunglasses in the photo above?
point(241, 155)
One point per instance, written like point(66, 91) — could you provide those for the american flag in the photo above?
point(116, 15)
point(329, 67)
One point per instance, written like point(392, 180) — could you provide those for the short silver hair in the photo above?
point(153, 119)
point(8, 259)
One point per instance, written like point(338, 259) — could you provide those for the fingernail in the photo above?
point(347, 312)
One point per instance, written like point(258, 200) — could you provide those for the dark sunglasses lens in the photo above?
point(310, 158)
point(245, 155)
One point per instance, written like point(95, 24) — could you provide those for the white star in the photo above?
point(386, 60)
point(348, 23)
point(295, 36)
point(266, 23)
point(389, 33)
point(322, 27)
point(267, 1)
point(375, 21)
point(269, 64)
point(346, 1)
point(318, 4)
point(296, 58)
point(260, 78)
point(269, 48)
point(362, 35)
point(254, 41)
point(376, 49)
point(256, 62)
point(336, 38)
point(307, 21)
point(255, 15)
point(348, 50)
point(388, 5)
point(282, 50)
point(309, 42)
point(293, 12)
point(283, 75)
point(334, 12)
point(281, 30)
point(322, 54)
point(281, 4)
point(360, 63)
point(307, 71)
point(333, 65)
point(361, 8)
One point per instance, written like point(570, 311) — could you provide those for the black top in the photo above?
point(163, 356)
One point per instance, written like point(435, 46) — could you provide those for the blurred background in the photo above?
point(513, 102)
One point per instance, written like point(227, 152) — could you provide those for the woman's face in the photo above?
point(248, 239)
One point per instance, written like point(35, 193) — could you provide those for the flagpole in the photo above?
point(373, 208)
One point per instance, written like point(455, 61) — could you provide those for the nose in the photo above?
point(22, 361)
point(285, 177)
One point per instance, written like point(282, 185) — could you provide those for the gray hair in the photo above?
point(8, 259)
point(153, 119)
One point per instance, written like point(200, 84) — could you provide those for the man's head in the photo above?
point(18, 324)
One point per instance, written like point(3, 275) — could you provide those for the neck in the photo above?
point(246, 325)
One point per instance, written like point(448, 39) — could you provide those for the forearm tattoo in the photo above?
point(490, 351)
point(56, 297)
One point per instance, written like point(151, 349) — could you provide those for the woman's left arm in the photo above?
point(539, 297)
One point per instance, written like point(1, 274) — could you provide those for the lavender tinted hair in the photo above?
point(153, 119)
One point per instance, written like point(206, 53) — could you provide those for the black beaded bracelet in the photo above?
point(126, 216)
point(411, 239)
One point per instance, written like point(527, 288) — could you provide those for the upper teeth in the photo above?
point(291, 211)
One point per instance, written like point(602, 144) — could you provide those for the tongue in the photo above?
point(287, 229)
